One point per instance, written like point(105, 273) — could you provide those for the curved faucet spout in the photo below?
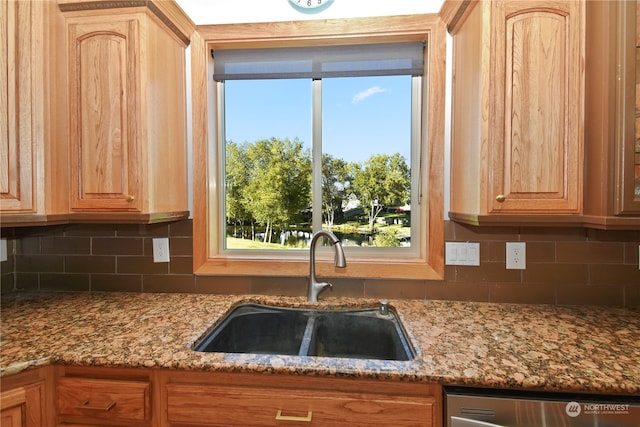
point(340, 261)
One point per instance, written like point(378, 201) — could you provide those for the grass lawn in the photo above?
point(235, 243)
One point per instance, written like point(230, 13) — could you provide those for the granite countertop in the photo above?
point(555, 348)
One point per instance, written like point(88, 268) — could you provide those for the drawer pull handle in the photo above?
point(281, 417)
point(500, 198)
point(129, 198)
point(85, 405)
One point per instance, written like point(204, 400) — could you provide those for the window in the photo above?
point(334, 135)
point(273, 198)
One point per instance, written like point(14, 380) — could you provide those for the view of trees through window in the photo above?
point(365, 162)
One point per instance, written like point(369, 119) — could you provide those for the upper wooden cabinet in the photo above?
point(105, 138)
point(93, 112)
point(127, 110)
point(32, 147)
point(517, 111)
point(612, 130)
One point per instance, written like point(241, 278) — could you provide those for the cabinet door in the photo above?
point(631, 152)
point(103, 109)
point(22, 406)
point(537, 150)
point(16, 104)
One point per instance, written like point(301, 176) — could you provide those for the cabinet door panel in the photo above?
point(103, 126)
point(23, 406)
point(11, 417)
point(16, 103)
point(631, 174)
point(534, 125)
point(537, 149)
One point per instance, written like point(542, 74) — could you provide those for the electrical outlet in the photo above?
point(3, 250)
point(516, 255)
point(161, 249)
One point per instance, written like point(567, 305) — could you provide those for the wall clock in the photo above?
point(310, 6)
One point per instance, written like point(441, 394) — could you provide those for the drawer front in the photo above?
point(103, 399)
point(241, 406)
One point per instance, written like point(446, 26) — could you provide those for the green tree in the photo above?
point(279, 183)
point(236, 179)
point(336, 180)
point(387, 237)
point(383, 180)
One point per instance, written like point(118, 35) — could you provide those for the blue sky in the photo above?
point(361, 116)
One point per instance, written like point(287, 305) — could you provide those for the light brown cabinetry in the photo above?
point(23, 400)
point(612, 127)
point(207, 399)
point(518, 112)
point(31, 143)
point(101, 396)
point(136, 397)
point(96, 400)
point(127, 111)
point(21, 406)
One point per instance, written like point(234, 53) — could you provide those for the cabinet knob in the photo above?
point(500, 198)
point(129, 198)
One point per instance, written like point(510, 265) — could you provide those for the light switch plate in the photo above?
point(161, 249)
point(462, 253)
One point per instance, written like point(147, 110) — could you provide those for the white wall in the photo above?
point(206, 12)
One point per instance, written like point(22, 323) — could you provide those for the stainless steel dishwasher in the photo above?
point(469, 407)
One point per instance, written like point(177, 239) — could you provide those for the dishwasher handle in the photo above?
point(466, 422)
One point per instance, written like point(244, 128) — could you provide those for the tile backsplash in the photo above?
point(563, 266)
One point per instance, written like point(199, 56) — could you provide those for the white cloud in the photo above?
point(361, 96)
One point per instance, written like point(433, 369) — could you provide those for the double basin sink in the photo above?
point(261, 329)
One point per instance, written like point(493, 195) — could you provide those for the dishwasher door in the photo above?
point(489, 408)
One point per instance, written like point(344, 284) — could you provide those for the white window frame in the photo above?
point(352, 252)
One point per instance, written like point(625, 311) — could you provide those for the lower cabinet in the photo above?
point(208, 399)
point(23, 400)
point(86, 396)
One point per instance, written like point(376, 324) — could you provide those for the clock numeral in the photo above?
point(308, 2)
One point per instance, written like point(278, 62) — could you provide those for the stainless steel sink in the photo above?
point(261, 329)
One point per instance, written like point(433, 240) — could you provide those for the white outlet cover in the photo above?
point(516, 255)
point(161, 249)
point(3, 250)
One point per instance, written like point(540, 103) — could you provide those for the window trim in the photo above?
point(208, 258)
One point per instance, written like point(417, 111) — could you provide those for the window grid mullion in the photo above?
point(316, 144)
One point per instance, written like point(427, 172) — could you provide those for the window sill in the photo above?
point(297, 267)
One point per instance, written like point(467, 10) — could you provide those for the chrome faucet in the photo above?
point(316, 287)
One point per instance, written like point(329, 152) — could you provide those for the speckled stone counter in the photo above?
point(588, 349)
